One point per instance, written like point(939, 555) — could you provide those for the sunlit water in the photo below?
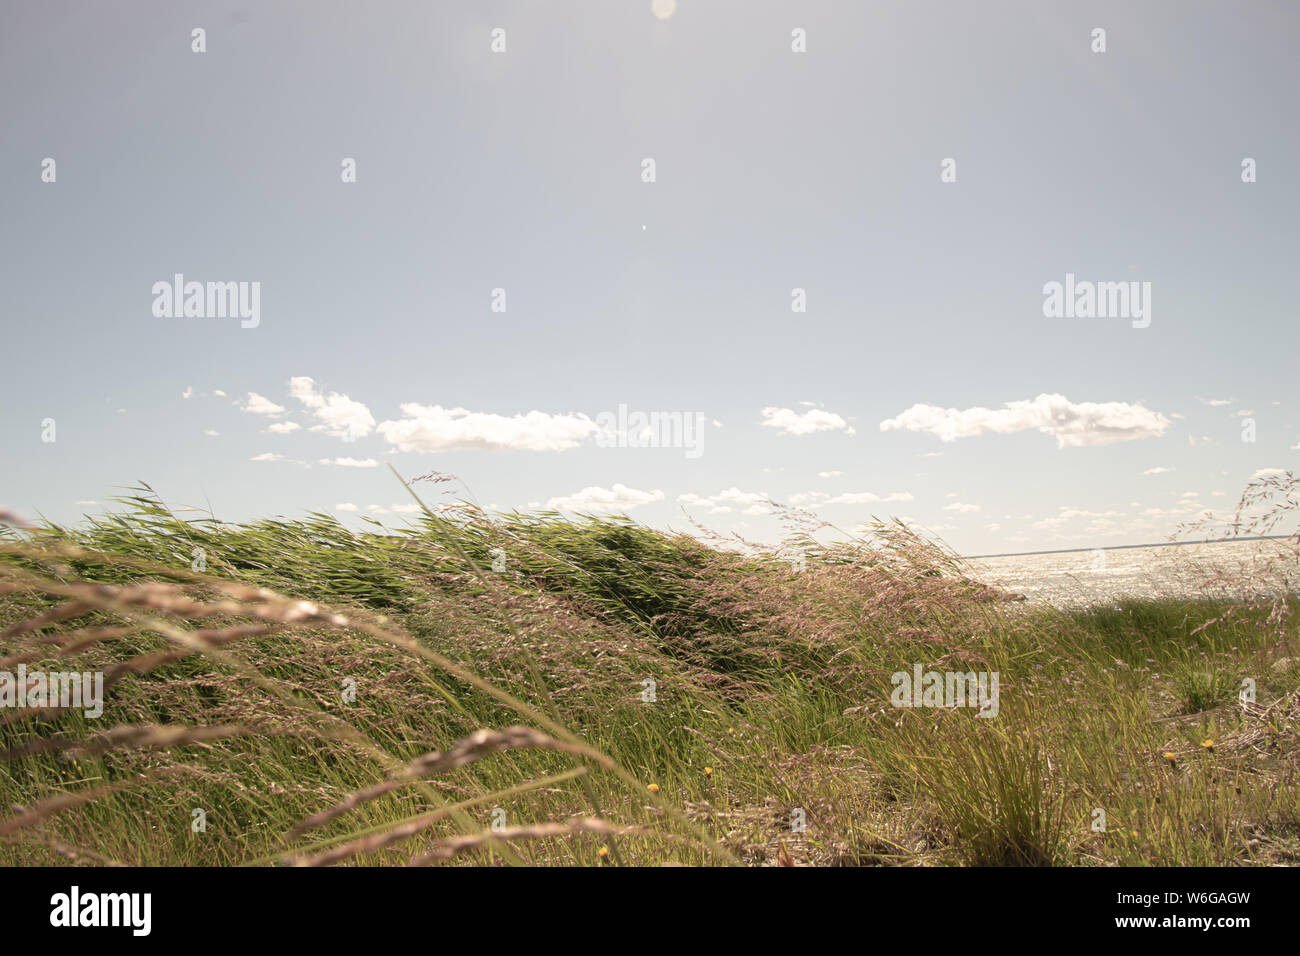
point(1081, 578)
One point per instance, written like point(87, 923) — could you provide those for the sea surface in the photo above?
point(1082, 578)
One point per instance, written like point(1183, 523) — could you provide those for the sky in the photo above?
point(813, 244)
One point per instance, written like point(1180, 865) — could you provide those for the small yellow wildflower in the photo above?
point(1207, 744)
point(653, 788)
point(708, 771)
point(603, 852)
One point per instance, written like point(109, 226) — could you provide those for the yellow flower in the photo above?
point(731, 730)
point(653, 788)
point(708, 771)
point(603, 852)
point(1170, 756)
point(1207, 744)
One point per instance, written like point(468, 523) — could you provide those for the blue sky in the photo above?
point(923, 380)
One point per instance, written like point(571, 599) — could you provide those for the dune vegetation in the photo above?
point(531, 689)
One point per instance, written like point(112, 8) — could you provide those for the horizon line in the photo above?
point(1121, 547)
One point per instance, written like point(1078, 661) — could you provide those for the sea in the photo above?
point(1235, 568)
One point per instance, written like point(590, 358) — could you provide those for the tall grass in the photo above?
point(522, 688)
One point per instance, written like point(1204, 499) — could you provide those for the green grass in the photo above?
point(771, 702)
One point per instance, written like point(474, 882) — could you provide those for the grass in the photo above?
point(528, 689)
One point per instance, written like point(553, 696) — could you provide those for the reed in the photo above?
point(522, 688)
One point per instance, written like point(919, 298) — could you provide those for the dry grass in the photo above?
point(320, 696)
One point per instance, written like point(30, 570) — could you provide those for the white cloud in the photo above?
point(620, 498)
point(848, 498)
point(283, 428)
point(1158, 470)
point(406, 509)
point(789, 422)
point(753, 503)
point(189, 390)
point(1182, 509)
point(219, 393)
point(829, 474)
point(339, 416)
point(345, 506)
point(268, 456)
point(261, 405)
point(1067, 515)
point(962, 507)
point(351, 462)
point(1070, 423)
point(1268, 472)
point(432, 428)
point(866, 497)
point(1215, 402)
point(214, 434)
